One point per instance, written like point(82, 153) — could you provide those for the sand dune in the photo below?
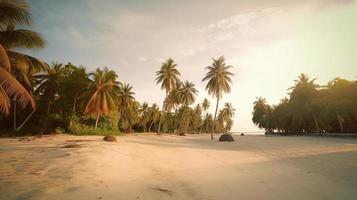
point(173, 167)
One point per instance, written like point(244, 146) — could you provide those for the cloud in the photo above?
point(142, 59)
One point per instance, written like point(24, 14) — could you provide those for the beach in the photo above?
point(147, 166)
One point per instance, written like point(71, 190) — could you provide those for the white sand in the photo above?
point(191, 167)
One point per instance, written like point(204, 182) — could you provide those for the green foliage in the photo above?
point(311, 108)
point(82, 129)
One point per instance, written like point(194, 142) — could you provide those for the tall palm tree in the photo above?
point(196, 117)
point(126, 103)
point(23, 66)
point(49, 85)
point(219, 79)
point(154, 115)
point(302, 95)
point(144, 115)
point(187, 95)
point(259, 112)
point(168, 77)
point(12, 12)
point(205, 105)
point(103, 93)
point(228, 113)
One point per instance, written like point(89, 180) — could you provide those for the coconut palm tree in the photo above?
point(187, 95)
point(103, 91)
point(259, 112)
point(168, 77)
point(228, 113)
point(205, 105)
point(154, 115)
point(49, 85)
point(196, 118)
point(11, 13)
point(144, 115)
point(126, 106)
point(218, 80)
point(23, 66)
point(302, 95)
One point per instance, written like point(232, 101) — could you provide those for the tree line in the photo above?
point(39, 97)
point(311, 108)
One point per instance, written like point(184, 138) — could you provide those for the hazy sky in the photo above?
point(268, 42)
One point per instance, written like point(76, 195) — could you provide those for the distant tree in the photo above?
point(227, 114)
point(49, 85)
point(103, 92)
point(127, 107)
point(205, 105)
point(302, 95)
point(154, 115)
point(187, 95)
point(144, 115)
point(218, 80)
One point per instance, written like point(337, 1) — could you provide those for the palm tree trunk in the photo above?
point(47, 114)
point(214, 119)
point(28, 117)
point(202, 123)
point(15, 103)
point(339, 121)
point(316, 123)
point(152, 122)
point(183, 114)
point(73, 110)
point(96, 121)
point(175, 116)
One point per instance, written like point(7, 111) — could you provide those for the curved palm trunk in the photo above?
point(152, 122)
point(339, 118)
point(96, 121)
point(28, 117)
point(316, 123)
point(214, 119)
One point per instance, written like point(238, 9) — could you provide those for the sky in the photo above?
point(268, 43)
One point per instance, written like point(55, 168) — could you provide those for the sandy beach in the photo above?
point(174, 167)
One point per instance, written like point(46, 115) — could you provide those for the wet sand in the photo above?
point(174, 167)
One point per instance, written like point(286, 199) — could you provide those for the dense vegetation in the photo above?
point(42, 98)
point(311, 108)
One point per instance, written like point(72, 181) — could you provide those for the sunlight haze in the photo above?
point(269, 43)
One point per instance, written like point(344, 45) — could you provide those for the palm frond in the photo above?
point(14, 89)
point(14, 12)
point(21, 38)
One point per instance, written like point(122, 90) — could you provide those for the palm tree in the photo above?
point(23, 66)
point(259, 112)
point(196, 118)
point(11, 13)
point(154, 115)
point(219, 79)
point(103, 92)
point(205, 106)
point(187, 95)
point(228, 114)
point(49, 85)
point(126, 104)
point(301, 96)
point(74, 84)
point(168, 77)
point(144, 115)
